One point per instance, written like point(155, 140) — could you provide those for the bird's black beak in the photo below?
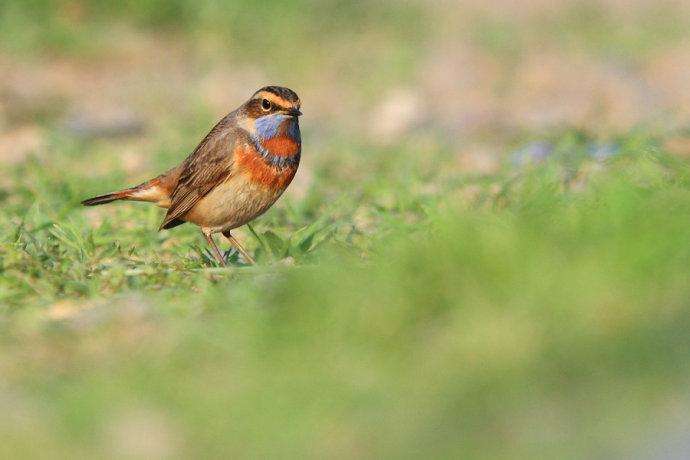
point(295, 112)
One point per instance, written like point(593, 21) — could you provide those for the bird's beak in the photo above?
point(294, 112)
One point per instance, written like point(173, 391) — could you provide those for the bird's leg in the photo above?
point(239, 247)
point(216, 251)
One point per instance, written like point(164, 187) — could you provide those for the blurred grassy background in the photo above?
point(485, 253)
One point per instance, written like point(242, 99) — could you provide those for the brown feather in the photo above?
point(210, 164)
point(156, 190)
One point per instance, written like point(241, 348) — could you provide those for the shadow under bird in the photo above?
point(234, 175)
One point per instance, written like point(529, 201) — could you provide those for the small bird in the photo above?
point(234, 175)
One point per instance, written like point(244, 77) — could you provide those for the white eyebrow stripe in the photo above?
point(281, 102)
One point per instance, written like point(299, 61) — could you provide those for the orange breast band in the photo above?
point(282, 146)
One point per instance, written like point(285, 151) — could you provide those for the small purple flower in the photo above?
point(602, 151)
point(533, 152)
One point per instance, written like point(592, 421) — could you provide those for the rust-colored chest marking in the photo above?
point(262, 171)
point(281, 146)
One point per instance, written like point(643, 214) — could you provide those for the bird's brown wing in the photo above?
point(210, 164)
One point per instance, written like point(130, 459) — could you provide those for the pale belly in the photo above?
point(232, 204)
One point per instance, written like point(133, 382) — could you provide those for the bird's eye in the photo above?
point(266, 105)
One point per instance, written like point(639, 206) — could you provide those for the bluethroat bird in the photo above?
point(234, 175)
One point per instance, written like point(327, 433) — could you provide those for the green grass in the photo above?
point(543, 314)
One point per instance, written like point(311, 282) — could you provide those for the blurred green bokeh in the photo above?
point(485, 253)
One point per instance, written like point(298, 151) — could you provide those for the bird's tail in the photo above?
point(107, 198)
point(156, 190)
point(153, 191)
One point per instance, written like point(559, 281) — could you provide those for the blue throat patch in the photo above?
point(293, 131)
point(268, 127)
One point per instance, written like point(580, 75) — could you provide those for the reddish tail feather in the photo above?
point(103, 199)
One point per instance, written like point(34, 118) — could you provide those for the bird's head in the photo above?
point(272, 111)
